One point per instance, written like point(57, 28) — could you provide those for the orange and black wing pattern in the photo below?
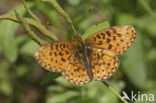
point(103, 63)
point(116, 39)
point(60, 57)
point(54, 56)
point(75, 72)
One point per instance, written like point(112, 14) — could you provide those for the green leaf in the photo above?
point(56, 89)
point(95, 28)
point(9, 46)
point(74, 2)
point(102, 94)
point(148, 25)
point(6, 86)
point(151, 55)
point(21, 40)
point(7, 30)
point(61, 80)
point(29, 47)
point(21, 70)
point(49, 77)
point(63, 97)
point(126, 19)
point(150, 84)
point(134, 64)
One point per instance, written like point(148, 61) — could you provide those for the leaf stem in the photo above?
point(34, 23)
point(63, 13)
point(27, 29)
point(30, 12)
point(147, 7)
point(114, 91)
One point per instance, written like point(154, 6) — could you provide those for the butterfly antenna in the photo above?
point(77, 37)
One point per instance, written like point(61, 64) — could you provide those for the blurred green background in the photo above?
point(22, 80)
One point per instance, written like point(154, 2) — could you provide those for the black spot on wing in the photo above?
point(63, 59)
point(108, 33)
point(103, 35)
point(98, 36)
point(60, 53)
point(108, 40)
point(109, 46)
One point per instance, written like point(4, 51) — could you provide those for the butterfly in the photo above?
point(95, 58)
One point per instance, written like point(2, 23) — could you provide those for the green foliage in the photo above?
point(93, 92)
point(49, 77)
point(5, 86)
point(8, 28)
point(135, 56)
point(95, 28)
point(21, 77)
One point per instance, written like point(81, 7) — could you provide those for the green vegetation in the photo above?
point(23, 80)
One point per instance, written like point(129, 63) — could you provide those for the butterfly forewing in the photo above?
point(116, 39)
point(54, 56)
point(60, 57)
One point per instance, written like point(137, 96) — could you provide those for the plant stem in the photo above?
point(34, 23)
point(27, 29)
point(30, 12)
point(146, 7)
point(63, 13)
point(115, 92)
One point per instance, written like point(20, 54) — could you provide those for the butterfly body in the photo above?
point(95, 58)
point(82, 52)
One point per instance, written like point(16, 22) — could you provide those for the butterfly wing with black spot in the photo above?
point(116, 39)
point(60, 57)
point(103, 63)
point(54, 56)
point(75, 72)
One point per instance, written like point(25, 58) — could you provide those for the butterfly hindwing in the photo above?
point(75, 72)
point(103, 63)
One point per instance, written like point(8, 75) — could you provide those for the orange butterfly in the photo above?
point(95, 58)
